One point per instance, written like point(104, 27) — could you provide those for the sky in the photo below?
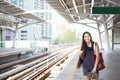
point(60, 25)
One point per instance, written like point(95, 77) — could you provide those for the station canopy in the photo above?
point(77, 10)
point(9, 12)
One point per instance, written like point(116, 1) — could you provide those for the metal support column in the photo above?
point(100, 40)
point(0, 38)
point(14, 39)
point(14, 34)
point(106, 35)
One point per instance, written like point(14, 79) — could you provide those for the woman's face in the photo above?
point(87, 37)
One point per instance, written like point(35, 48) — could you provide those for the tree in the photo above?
point(70, 36)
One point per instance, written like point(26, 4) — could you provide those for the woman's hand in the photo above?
point(94, 70)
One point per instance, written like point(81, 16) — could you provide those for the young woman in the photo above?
point(86, 56)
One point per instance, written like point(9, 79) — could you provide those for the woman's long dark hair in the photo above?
point(83, 48)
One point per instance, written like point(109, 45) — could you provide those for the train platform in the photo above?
point(11, 54)
point(12, 51)
point(111, 72)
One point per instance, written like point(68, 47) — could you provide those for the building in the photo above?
point(45, 29)
point(36, 31)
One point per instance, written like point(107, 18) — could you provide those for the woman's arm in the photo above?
point(79, 59)
point(96, 52)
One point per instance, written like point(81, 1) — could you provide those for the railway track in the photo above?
point(33, 68)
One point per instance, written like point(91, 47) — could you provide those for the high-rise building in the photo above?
point(36, 31)
point(46, 29)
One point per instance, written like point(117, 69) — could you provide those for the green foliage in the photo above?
point(70, 36)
